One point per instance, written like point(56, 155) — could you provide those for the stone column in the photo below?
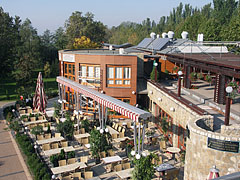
point(187, 81)
point(219, 91)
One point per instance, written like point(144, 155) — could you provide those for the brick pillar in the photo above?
point(219, 91)
point(187, 71)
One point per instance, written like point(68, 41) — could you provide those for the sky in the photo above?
point(52, 14)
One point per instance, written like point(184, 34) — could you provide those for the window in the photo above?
point(118, 76)
point(69, 70)
point(89, 74)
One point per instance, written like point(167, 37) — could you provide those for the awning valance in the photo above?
point(125, 109)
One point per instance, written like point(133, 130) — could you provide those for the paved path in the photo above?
point(12, 165)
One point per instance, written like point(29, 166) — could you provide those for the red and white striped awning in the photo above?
point(125, 109)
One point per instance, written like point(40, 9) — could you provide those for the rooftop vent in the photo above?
point(121, 51)
point(110, 47)
point(158, 36)
point(170, 34)
point(184, 34)
point(164, 35)
point(153, 35)
point(200, 38)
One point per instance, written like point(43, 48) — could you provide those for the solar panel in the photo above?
point(144, 43)
point(158, 44)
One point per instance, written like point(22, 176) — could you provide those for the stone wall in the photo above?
point(200, 158)
point(180, 113)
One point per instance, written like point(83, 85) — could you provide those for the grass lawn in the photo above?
point(8, 88)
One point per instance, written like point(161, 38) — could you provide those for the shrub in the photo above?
point(37, 130)
point(61, 156)
point(54, 160)
point(85, 124)
point(152, 75)
point(71, 155)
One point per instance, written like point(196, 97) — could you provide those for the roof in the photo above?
point(125, 109)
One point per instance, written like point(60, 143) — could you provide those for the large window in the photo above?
point(118, 76)
point(69, 70)
point(89, 74)
point(161, 115)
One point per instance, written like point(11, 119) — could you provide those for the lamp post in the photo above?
point(180, 73)
point(155, 64)
point(229, 90)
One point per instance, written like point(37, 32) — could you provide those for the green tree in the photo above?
point(60, 39)
point(47, 70)
point(66, 129)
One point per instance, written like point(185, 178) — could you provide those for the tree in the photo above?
point(37, 130)
point(47, 70)
point(60, 39)
point(78, 25)
point(8, 41)
point(28, 53)
point(84, 43)
point(66, 129)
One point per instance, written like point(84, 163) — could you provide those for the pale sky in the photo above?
point(51, 14)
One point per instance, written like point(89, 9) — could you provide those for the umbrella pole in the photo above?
point(135, 136)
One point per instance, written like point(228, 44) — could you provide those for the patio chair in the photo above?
point(88, 175)
point(67, 178)
point(126, 166)
point(76, 132)
point(121, 135)
point(32, 119)
point(84, 141)
point(113, 164)
point(129, 125)
point(84, 159)
point(57, 135)
point(64, 143)
point(103, 154)
point(82, 131)
point(172, 174)
point(40, 117)
point(71, 161)
point(47, 136)
point(46, 147)
point(119, 128)
point(110, 152)
point(40, 137)
point(114, 136)
point(62, 162)
point(29, 110)
point(124, 161)
point(77, 175)
point(116, 127)
point(118, 167)
point(54, 145)
point(163, 146)
point(22, 112)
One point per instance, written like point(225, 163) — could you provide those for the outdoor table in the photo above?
point(62, 119)
point(112, 131)
point(51, 140)
point(58, 150)
point(68, 168)
point(50, 113)
point(118, 140)
point(124, 174)
point(81, 136)
point(35, 122)
point(173, 150)
point(111, 159)
point(164, 167)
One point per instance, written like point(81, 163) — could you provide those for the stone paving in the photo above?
point(12, 165)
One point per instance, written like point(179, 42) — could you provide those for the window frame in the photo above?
point(114, 79)
point(67, 74)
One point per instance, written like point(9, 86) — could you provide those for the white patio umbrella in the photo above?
point(40, 99)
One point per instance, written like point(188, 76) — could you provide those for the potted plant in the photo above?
point(200, 76)
point(129, 146)
point(143, 167)
point(192, 76)
point(37, 130)
point(208, 78)
point(66, 129)
point(99, 142)
point(236, 89)
point(152, 75)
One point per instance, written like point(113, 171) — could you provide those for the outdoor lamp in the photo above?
point(26, 128)
point(106, 130)
point(159, 99)
point(150, 92)
point(144, 154)
point(132, 153)
point(101, 131)
point(102, 91)
point(53, 176)
point(155, 64)
point(60, 101)
point(88, 145)
point(180, 73)
point(35, 146)
point(229, 89)
point(13, 110)
point(138, 156)
point(98, 128)
point(75, 112)
point(133, 92)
